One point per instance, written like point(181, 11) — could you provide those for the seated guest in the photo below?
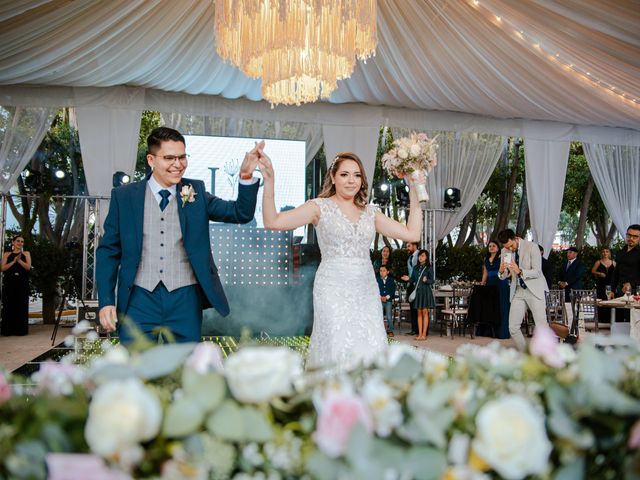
point(387, 288)
point(385, 259)
point(490, 270)
point(603, 270)
point(571, 273)
point(546, 268)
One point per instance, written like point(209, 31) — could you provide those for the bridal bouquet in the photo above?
point(414, 155)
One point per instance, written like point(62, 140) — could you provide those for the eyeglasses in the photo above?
point(630, 235)
point(172, 158)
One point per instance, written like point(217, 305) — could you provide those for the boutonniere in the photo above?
point(187, 194)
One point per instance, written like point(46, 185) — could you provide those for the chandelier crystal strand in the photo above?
point(299, 48)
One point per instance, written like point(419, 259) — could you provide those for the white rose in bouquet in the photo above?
point(122, 413)
point(511, 437)
point(258, 374)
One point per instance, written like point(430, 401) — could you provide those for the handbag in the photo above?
point(412, 295)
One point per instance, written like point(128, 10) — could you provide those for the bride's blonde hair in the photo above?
point(329, 189)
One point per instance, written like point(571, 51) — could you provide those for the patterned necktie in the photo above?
point(165, 194)
point(520, 280)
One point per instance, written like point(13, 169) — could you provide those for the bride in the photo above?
point(347, 313)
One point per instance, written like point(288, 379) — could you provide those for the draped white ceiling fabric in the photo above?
point(546, 170)
point(363, 141)
point(21, 131)
point(616, 172)
point(432, 55)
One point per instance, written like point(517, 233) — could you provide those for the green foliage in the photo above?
point(459, 263)
point(49, 262)
point(148, 122)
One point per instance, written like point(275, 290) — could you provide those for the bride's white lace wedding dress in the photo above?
point(348, 326)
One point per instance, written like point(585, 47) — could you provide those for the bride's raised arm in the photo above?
point(408, 233)
point(306, 213)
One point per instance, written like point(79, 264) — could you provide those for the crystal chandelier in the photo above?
point(300, 48)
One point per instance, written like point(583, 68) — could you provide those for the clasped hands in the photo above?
point(256, 158)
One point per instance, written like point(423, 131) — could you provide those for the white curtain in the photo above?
point(109, 143)
point(21, 131)
point(616, 172)
point(432, 55)
point(465, 161)
point(234, 126)
point(363, 141)
point(546, 168)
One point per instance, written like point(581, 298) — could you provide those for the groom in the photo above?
point(155, 246)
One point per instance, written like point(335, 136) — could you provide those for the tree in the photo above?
point(582, 200)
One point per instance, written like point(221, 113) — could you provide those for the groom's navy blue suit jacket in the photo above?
point(118, 254)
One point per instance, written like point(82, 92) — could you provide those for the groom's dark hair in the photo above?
point(505, 235)
point(162, 134)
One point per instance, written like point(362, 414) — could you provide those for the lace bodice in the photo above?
point(340, 237)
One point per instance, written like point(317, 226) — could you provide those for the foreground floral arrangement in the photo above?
point(176, 412)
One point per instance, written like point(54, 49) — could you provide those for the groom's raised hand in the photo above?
point(250, 161)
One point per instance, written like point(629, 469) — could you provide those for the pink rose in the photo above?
point(545, 346)
point(58, 378)
point(339, 414)
point(5, 388)
point(205, 357)
point(634, 436)
point(77, 466)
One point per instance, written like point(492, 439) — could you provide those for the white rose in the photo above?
point(402, 153)
point(387, 412)
point(121, 414)
point(511, 437)
point(258, 374)
point(415, 150)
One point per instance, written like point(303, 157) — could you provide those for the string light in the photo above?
point(557, 58)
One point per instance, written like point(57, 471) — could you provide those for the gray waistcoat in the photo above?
point(164, 258)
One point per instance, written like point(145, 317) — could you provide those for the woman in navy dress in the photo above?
point(15, 289)
point(490, 277)
point(422, 279)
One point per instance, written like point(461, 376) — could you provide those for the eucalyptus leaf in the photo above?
point(227, 422)
point(435, 426)
point(571, 471)
point(322, 467)
point(560, 420)
point(257, 427)
point(184, 416)
point(162, 360)
point(607, 397)
point(208, 390)
point(411, 432)
point(425, 463)
point(112, 371)
point(406, 368)
point(359, 447)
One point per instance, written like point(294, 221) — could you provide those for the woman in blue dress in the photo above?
point(421, 280)
point(490, 277)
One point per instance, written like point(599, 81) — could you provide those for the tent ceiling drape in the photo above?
point(432, 55)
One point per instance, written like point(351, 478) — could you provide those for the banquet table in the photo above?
point(634, 318)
